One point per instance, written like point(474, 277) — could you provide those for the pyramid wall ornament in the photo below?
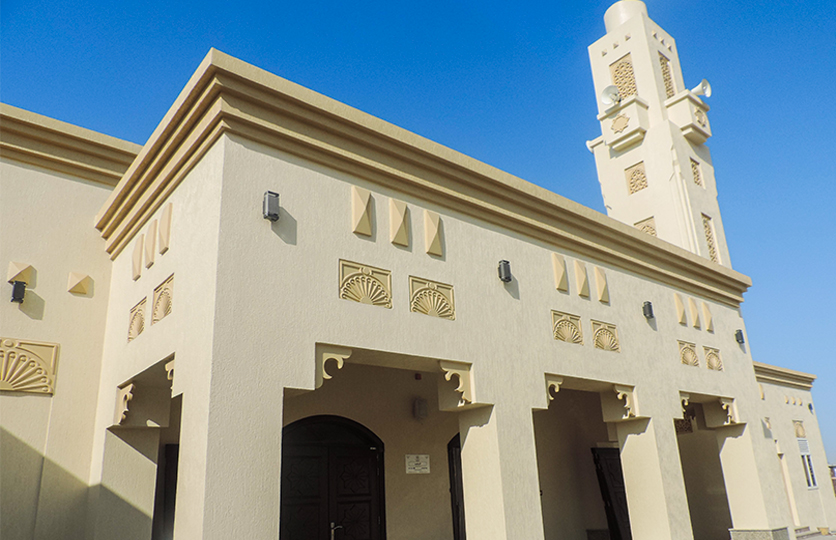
point(136, 260)
point(432, 233)
point(19, 271)
point(561, 277)
point(581, 279)
point(78, 283)
point(151, 244)
point(165, 229)
point(361, 211)
point(398, 222)
point(601, 285)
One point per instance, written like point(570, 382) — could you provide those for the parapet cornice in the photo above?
point(45, 142)
point(227, 95)
point(785, 377)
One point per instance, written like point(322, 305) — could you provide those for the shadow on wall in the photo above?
point(40, 499)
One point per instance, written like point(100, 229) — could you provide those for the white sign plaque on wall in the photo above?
point(417, 464)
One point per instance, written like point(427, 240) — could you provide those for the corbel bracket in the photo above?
point(325, 353)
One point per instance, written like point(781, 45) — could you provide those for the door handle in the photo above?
point(334, 528)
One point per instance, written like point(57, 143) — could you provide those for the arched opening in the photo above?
point(332, 481)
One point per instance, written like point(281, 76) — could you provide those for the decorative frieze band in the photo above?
point(27, 366)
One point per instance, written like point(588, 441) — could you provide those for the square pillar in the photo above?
point(653, 480)
point(755, 512)
point(125, 498)
point(499, 473)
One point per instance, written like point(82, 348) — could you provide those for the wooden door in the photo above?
point(332, 479)
point(611, 482)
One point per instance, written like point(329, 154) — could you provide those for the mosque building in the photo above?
point(282, 317)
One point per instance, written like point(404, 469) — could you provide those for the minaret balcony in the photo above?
point(625, 123)
point(688, 112)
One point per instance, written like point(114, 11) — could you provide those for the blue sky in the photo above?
point(509, 84)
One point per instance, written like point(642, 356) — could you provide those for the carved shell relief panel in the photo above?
point(688, 354)
point(136, 321)
point(798, 427)
point(431, 298)
point(712, 359)
point(27, 366)
point(365, 284)
point(567, 327)
point(605, 336)
point(162, 300)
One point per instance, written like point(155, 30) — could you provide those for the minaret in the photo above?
point(654, 168)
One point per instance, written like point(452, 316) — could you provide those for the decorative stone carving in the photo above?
point(683, 426)
point(636, 177)
point(163, 296)
point(680, 309)
point(627, 395)
point(431, 298)
point(702, 119)
point(561, 277)
point(620, 123)
point(398, 223)
point(708, 227)
point(696, 173)
point(432, 233)
point(19, 271)
point(712, 359)
point(169, 370)
point(601, 285)
point(553, 382)
point(150, 244)
point(365, 284)
point(78, 283)
point(695, 313)
point(665, 64)
point(361, 211)
point(136, 259)
point(124, 395)
point(567, 327)
point(647, 226)
point(706, 315)
point(165, 228)
point(605, 336)
point(462, 371)
point(684, 401)
point(688, 354)
point(729, 407)
point(136, 321)
point(581, 279)
point(329, 352)
point(623, 77)
point(27, 366)
point(798, 427)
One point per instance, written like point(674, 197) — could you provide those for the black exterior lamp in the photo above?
point(270, 206)
point(504, 271)
point(18, 291)
point(647, 310)
point(738, 336)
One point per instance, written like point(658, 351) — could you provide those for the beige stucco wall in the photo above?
point(781, 407)
point(45, 221)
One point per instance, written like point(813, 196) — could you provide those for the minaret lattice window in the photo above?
point(636, 177)
point(623, 77)
point(647, 226)
point(666, 76)
point(708, 226)
point(695, 170)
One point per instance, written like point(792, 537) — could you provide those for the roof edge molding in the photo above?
point(785, 377)
point(37, 140)
point(228, 96)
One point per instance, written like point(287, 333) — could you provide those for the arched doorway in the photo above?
point(332, 481)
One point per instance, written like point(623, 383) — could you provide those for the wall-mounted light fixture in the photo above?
point(270, 207)
point(420, 409)
point(647, 310)
point(504, 271)
point(738, 336)
point(18, 291)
